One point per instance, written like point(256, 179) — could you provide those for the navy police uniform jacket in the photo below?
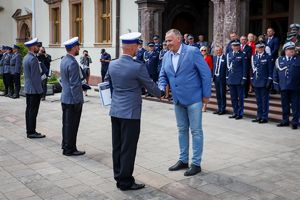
point(16, 64)
point(236, 68)
point(151, 60)
point(286, 74)
point(32, 74)
point(71, 76)
point(158, 47)
point(140, 54)
point(262, 70)
point(160, 58)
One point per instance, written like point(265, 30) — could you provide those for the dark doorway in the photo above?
point(188, 16)
point(183, 22)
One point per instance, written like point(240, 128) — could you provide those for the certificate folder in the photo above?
point(104, 93)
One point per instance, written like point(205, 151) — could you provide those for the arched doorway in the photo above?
point(24, 33)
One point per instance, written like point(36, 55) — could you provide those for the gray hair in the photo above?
point(175, 32)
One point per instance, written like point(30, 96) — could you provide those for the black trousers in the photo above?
point(44, 86)
point(17, 83)
point(8, 83)
point(32, 109)
point(125, 136)
point(290, 100)
point(103, 73)
point(71, 119)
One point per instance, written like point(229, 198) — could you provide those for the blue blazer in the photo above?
point(192, 80)
point(274, 46)
point(219, 72)
point(262, 70)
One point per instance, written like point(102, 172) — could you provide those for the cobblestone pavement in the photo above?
point(241, 160)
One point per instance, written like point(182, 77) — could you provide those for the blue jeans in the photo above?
point(190, 117)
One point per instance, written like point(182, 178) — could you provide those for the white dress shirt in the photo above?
point(175, 58)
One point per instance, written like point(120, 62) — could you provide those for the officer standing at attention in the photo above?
point(140, 51)
point(157, 43)
point(236, 78)
point(16, 68)
point(32, 87)
point(261, 78)
point(151, 58)
point(219, 78)
point(127, 76)
point(71, 97)
point(286, 78)
point(7, 77)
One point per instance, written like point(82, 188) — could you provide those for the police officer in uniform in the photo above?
point(192, 42)
point(16, 69)
point(7, 77)
point(2, 53)
point(32, 87)
point(140, 51)
point(287, 80)
point(157, 43)
point(219, 78)
point(261, 78)
point(127, 76)
point(151, 58)
point(161, 56)
point(71, 97)
point(293, 37)
point(236, 78)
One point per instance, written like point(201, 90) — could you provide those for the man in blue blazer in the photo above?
point(185, 70)
point(273, 43)
point(219, 78)
point(32, 87)
point(71, 97)
point(261, 77)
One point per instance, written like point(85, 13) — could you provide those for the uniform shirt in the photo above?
point(105, 56)
point(16, 63)
point(175, 58)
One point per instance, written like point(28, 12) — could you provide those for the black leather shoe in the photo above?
point(232, 116)
point(74, 153)
point(256, 120)
point(263, 121)
point(192, 170)
point(216, 112)
point(35, 135)
point(294, 127)
point(179, 165)
point(16, 96)
point(222, 113)
point(239, 117)
point(134, 186)
point(282, 124)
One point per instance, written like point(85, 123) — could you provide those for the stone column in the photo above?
point(231, 18)
point(218, 23)
point(150, 18)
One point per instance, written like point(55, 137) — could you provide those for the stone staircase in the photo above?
point(249, 105)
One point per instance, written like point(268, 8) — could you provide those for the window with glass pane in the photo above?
point(54, 11)
point(77, 20)
point(103, 23)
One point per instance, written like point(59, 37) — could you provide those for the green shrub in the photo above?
point(1, 83)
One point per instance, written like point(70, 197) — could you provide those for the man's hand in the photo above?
point(205, 100)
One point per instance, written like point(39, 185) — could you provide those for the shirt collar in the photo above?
point(178, 52)
point(127, 55)
point(71, 55)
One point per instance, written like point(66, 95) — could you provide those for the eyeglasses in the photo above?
point(203, 50)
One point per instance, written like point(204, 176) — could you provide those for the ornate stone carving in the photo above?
point(52, 1)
